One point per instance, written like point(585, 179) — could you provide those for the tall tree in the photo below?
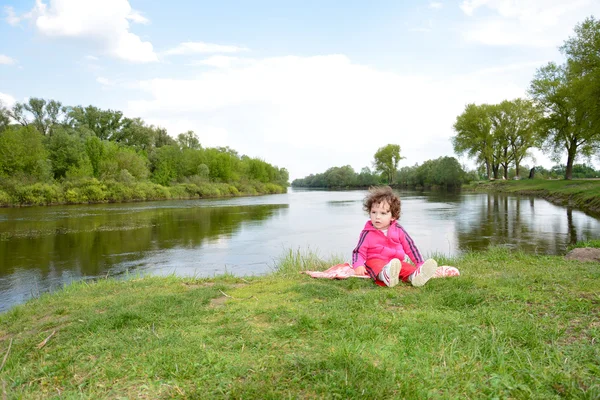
point(386, 161)
point(106, 124)
point(569, 94)
point(514, 123)
point(583, 59)
point(474, 135)
point(4, 116)
point(188, 140)
point(566, 124)
point(42, 114)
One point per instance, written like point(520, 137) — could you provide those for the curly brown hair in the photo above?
point(380, 194)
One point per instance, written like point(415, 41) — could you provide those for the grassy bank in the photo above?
point(581, 194)
point(15, 193)
point(512, 326)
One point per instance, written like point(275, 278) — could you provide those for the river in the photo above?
point(44, 248)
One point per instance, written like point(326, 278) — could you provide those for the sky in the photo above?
point(305, 85)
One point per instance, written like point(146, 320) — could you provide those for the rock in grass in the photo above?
point(584, 254)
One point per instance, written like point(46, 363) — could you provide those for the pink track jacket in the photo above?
point(372, 243)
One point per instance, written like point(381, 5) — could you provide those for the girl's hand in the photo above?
point(360, 270)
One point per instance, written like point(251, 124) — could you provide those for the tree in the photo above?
point(583, 59)
point(569, 95)
point(22, 151)
point(67, 153)
point(135, 133)
point(386, 161)
point(566, 124)
point(4, 117)
point(45, 114)
point(515, 131)
point(106, 124)
point(188, 140)
point(474, 135)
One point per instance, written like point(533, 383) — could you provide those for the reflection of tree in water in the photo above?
point(90, 244)
point(501, 221)
point(435, 196)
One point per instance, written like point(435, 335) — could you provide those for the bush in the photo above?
point(38, 194)
point(5, 199)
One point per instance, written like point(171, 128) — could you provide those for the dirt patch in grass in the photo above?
point(218, 302)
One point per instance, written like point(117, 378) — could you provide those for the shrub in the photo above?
point(5, 199)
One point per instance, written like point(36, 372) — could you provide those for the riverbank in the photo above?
point(93, 191)
point(583, 194)
point(511, 326)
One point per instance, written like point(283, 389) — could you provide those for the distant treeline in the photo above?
point(53, 154)
point(443, 172)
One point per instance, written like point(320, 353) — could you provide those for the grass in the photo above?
point(582, 194)
point(511, 326)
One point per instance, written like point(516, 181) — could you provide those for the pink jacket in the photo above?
point(372, 243)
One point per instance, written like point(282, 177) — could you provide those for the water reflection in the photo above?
point(529, 224)
point(41, 250)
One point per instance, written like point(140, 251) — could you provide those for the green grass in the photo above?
point(579, 193)
point(511, 326)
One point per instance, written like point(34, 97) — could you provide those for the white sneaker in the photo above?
point(390, 273)
point(424, 273)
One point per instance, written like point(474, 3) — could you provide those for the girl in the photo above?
point(383, 244)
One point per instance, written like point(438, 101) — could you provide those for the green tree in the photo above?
point(136, 134)
point(22, 152)
point(188, 140)
point(583, 60)
point(166, 164)
point(568, 94)
point(474, 135)
point(106, 124)
point(515, 126)
point(67, 154)
point(4, 116)
point(42, 114)
point(386, 161)
point(162, 138)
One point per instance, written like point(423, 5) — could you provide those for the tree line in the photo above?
point(443, 172)
point(51, 153)
point(560, 117)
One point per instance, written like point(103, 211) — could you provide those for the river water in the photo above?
point(44, 248)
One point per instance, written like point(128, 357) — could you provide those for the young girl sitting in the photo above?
point(383, 245)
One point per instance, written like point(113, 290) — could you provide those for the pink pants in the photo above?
point(374, 267)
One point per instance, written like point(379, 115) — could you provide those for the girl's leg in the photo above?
point(374, 267)
point(406, 270)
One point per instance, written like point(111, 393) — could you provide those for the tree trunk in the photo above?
point(517, 166)
point(487, 170)
point(569, 170)
point(571, 152)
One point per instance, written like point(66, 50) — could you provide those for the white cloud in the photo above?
point(138, 18)
point(220, 61)
point(6, 60)
point(11, 17)
point(187, 48)
point(435, 5)
point(7, 100)
point(311, 113)
point(103, 23)
point(537, 23)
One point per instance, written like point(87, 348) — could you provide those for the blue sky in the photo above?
point(305, 85)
